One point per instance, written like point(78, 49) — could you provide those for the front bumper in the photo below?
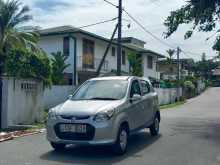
point(104, 133)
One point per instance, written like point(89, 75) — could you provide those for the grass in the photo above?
point(40, 125)
point(172, 105)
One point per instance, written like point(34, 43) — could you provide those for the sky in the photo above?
point(151, 13)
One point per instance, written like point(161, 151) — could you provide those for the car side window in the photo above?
point(145, 87)
point(135, 88)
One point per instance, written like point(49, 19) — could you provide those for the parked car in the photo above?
point(105, 111)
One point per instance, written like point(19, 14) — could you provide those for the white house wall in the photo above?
point(51, 44)
point(55, 43)
point(150, 72)
point(100, 47)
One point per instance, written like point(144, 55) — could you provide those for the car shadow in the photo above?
point(100, 154)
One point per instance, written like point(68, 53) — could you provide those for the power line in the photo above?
point(147, 31)
point(110, 3)
point(151, 34)
point(98, 23)
point(137, 22)
point(158, 39)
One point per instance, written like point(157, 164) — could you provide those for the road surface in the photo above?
point(190, 135)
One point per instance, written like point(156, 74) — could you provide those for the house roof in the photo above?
point(127, 39)
point(175, 61)
point(143, 50)
point(62, 30)
point(216, 72)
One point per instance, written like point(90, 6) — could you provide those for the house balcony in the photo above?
point(85, 64)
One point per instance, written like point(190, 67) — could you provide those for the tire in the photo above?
point(57, 146)
point(120, 146)
point(155, 127)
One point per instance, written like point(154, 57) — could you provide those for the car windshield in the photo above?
point(102, 90)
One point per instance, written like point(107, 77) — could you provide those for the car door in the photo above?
point(147, 101)
point(134, 110)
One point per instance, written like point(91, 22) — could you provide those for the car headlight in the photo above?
point(52, 115)
point(104, 116)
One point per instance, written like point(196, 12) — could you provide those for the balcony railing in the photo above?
point(91, 64)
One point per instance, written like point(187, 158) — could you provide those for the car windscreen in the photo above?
point(102, 90)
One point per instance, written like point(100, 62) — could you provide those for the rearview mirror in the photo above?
point(70, 97)
point(136, 97)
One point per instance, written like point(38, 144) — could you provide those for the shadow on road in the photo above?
point(101, 154)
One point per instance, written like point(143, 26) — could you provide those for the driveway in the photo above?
point(190, 135)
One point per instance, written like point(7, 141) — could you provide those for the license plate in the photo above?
point(79, 128)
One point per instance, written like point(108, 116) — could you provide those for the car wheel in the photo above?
point(120, 147)
point(58, 146)
point(155, 127)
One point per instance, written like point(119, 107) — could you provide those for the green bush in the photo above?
point(22, 63)
point(58, 66)
point(189, 89)
point(189, 85)
point(136, 64)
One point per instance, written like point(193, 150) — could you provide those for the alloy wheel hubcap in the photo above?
point(123, 139)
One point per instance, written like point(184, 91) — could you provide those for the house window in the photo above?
point(150, 62)
point(123, 59)
point(88, 54)
point(66, 46)
point(113, 51)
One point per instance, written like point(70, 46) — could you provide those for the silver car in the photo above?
point(105, 111)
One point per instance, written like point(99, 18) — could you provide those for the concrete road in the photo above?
point(190, 135)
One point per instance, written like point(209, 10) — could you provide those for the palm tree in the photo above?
point(58, 67)
point(12, 16)
point(169, 59)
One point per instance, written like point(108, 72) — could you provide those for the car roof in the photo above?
point(125, 78)
point(112, 78)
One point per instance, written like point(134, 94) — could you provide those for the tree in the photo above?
point(12, 16)
point(136, 64)
point(169, 59)
point(58, 67)
point(204, 67)
point(23, 63)
point(203, 15)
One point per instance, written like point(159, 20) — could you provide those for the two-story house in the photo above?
point(85, 51)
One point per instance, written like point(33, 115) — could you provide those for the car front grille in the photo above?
point(89, 135)
point(70, 117)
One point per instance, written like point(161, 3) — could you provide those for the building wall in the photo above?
point(100, 47)
point(150, 72)
point(22, 102)
point(56, 95)
point(53, 44)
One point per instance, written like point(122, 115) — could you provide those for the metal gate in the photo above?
point(0, 103)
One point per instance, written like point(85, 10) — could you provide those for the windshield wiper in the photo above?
point(102, 98)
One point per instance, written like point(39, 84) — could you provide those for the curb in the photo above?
point(17, 134)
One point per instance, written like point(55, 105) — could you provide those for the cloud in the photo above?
point(49, 5)
point(151, 13)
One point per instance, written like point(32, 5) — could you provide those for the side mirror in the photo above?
point(136, 97)
point(70, 97)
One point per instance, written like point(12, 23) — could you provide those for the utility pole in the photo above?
point(178, 74)
point(119, 48)
point(106, 51)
